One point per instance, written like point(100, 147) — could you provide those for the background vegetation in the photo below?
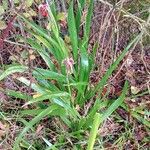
point(74, 74)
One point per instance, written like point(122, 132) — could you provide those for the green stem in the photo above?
point(94, 131)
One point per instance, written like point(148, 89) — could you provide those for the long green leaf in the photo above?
point(51, 45)
point(40, 116)
point(83, 75)
point(11, 70)
point(141, 119)
point(103, 81)
point(37, 28)
point(34, 112)
point(47, 84)
point(66, 104)
point(98, 105)
point(98, 119)
point(93, 56)
point(88, 24)
point(81, 4)
point(45, 56)
point(84, 70)
point(56, 31)
point(73, 31)
point(18, 94)
point(115, 104)
point(47, 96)
point(25, 145)
point(94, 131)
point(52, 20)
point(43, 34)
point(47, 74)
point(33, 86)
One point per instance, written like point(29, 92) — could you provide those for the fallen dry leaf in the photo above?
point(129, 61)
point(32, 57)
point(3, 130)
point(39, 128)
point(2, 25)
point(135, 90)
point(2, 134)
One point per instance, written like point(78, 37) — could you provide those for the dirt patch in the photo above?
point(113, 31)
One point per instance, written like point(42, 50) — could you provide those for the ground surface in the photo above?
point(113, 31)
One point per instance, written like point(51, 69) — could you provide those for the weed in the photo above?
point(63, 89)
